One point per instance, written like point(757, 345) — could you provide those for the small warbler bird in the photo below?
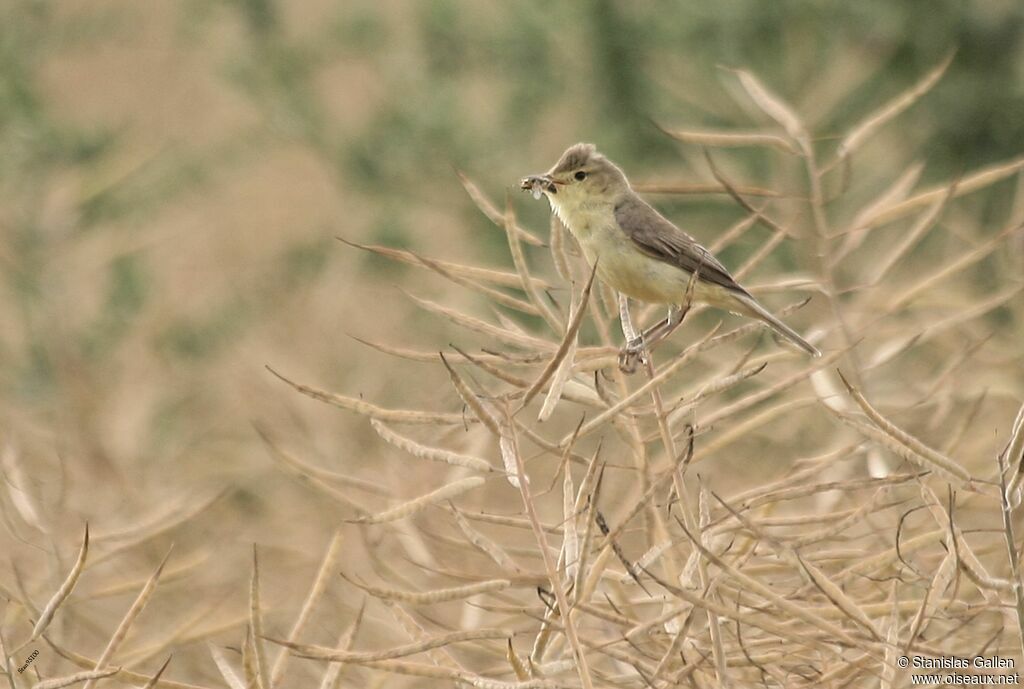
point(638, 252)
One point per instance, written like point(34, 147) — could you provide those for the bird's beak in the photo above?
point(538, 184)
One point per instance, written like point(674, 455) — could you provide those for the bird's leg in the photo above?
point(634, 352)
point(625, 320)
point(676, 313)
point(662, 329)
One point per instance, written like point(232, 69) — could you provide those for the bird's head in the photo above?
point(581, 176)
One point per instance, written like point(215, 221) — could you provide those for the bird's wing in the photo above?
point(660, 239)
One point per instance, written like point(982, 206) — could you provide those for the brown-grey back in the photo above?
point(657, 237)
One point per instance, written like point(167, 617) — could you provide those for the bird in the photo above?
point(639, 252)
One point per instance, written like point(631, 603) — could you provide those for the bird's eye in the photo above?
point(581, 175)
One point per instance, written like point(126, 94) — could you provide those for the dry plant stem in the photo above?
point(731, 139)
point(256, 625)
point(714, 629)
point(761, 395)
point(325, 653)
point(737, 195)
point(435, 596)
point(332, 675)
point(950, 468)
point(491, 366)
point(944, 575)
point(415, 631)
point(882, 608)
point(86, 675)
point(556, 583)
point(877, 119)
point(63, 592)
point(765, 623)
point(520, 671)
point(311, 471)
point(967, 184)
point(159, 673)
point(128, 676)
point(515, 522)
point(680, 491)
point(177, 637)
point(755, 258)
point(659, 407)
point(495, 277)
point(565, 368)
point(591, 491)
point(670, 448)
point(309, 476)
point(945, 271)
point(157, 523)
point(817, 578)
point(920, 228)
point(491, 211)
point(224, 667)
point(558, 252)
point(315, 593)
point(803, 537)
point(484, 544)
point(643, 669)
point(433, 453)
point(633, 439)
point(421, 503)
point(821, 223)
point(133, 612)
point(837, 597)
point(177, 573)
point(699, 188)
point(1014, 456)
point(782, 113)
point(569, 555)
point(627, 399)
point(519, 258)
point(1011, 546)
point(739, 229)
point(472, 400)
point(837, 633)
point(434, 672)
point(154, 527)
point(373, 411)
point(677, 641)
point(568, 339)
point(249, 667)
point(8, 670)
point(856, 232)
point(489, 292)
point(846, 147)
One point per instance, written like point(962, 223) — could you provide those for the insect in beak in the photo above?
point(538, 184)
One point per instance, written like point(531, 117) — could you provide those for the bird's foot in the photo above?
point(632, 355)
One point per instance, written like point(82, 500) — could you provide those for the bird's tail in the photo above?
point(761, 313)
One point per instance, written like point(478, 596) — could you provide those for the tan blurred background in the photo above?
point(173, 176)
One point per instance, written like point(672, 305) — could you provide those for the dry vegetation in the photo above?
point(734, 515)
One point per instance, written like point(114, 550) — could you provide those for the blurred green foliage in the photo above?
point(470, 83)
point(495, 88)
point(608, 58)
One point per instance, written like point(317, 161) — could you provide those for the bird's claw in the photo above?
point(632, 355)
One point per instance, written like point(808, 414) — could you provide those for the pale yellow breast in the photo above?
point(626, 269)
point(620, 263)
